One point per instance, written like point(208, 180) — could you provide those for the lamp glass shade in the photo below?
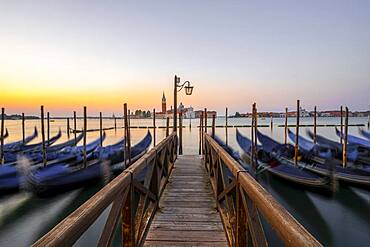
point(189, 90)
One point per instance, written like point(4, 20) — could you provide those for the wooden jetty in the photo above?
point(187, 213)
point(164, 199)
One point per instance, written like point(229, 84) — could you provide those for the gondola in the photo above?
point(12, 177)
point(355, 153)
point(24, 148)
point(117, 160)
point(270, 159)
point(11, 156)
point(352, 174)
point(365, 134)
point(354, 140)
point(14, 146)
point(62, 177)
point(229, 150)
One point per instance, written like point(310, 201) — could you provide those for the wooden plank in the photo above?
point(188, 226)
point(185, 236)
point(187, 214)
point(214, 217)
point(179, 243)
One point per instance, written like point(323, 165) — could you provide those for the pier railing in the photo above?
point(133, 196)
point(241, 200)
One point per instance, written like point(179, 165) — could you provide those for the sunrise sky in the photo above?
point(66, 54)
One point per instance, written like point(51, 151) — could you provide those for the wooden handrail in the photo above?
point(156, 166)
point(240, 199)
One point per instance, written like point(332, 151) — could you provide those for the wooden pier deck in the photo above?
point(187, 214)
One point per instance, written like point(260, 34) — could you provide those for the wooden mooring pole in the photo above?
point(127, 136)
point(341, 125)
point(345, 139)
point(115, 122)
point(68, 128)
point(271, 122)
point(23, 128)
point(167, 126)
point(43, 136)
point(297, 135)
point(200, 133)
point(314, 125)
point(226, 128)
point(255, 135)
point(2, 135)
point(252, 135)
point(180, 133)
point(213, 125)
point(48, 125)
point(101, 128)
point(85, 135)
point(286, 126)
point(154, 139)
point(75, 126)
point(205, 120)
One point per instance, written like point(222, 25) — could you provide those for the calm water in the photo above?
point(343, 220)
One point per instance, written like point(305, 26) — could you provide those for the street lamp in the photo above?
point(177, 88)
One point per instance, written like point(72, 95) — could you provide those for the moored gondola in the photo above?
point(355, 153)
point(11, 155)
point(14, 146)
point(12, 177)
point(63, 177)
point(354, 140)
point(365, 134)
point(353, 174)
point(269, 160)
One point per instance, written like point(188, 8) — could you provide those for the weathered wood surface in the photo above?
point(187, 213)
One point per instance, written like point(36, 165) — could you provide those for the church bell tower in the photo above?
point(164, 109)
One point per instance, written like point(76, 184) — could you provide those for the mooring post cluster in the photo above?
point(2, 136)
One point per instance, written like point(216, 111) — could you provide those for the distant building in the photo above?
point(188, 112)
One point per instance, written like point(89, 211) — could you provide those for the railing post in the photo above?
point(241, 230)
point(180, 133)
point(128, 228)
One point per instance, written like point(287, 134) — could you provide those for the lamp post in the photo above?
point(177, 88)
